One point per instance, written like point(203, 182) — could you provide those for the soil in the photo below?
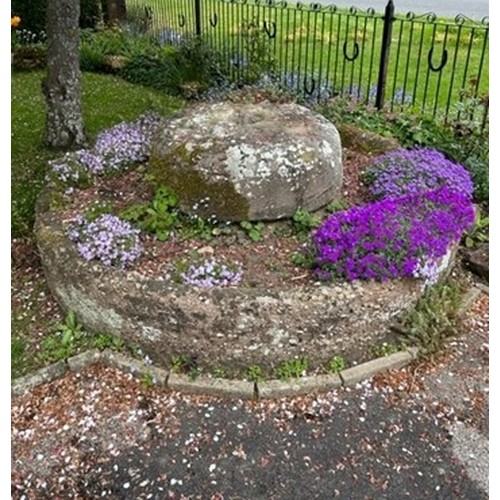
point(267, 262)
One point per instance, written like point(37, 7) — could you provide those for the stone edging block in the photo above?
point(211, 386)
point(134, 366)
point(42, 376)
point(366, 370)
point(298, 386)
point(81, 361)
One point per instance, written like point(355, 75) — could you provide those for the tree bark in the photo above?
point(62, 85)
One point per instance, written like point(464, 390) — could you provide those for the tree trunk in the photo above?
point(62, 85)
point(115, 11)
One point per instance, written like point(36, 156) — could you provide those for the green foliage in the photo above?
point(147, 380)
point(103, 341)
point(187, 70)
point(253, 229)
point(97, 209)
point(62, 344)
point(304, 221)
point(303, 258)
point(479, 233)
point(97, 47)
point(254, 373)
point(159, 217)
point(434, 318)
point(386, 349)
point(294, 368)
point(336, 206)
point(185, 364)
point(337, 364)
point(17, 356)
point(220, 372)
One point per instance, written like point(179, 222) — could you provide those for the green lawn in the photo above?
point(107, 100)
point(314, 43)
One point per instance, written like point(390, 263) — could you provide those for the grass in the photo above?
point(103, 106)
point(313, 43)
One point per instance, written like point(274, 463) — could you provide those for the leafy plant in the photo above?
point(294, 368)
point(103, 341)
point(479, 233)
point(385, 349)
point(220, 372)
point(304, 221)
point(147, 380)
point(185, 364)
point(336, 206)
point(62, 344)
point(337, 364)
point(254, 373)
point(253, 229)
point(159, 217)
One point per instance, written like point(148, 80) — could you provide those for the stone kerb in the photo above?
point(233, 326)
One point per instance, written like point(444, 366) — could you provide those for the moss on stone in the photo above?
point(177, 170)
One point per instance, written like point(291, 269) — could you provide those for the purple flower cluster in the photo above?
point(410, 171)
point(115, 149)
point(109, 239)
point(212, 273)
point(406, 236)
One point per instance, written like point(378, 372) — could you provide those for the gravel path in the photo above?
point(420, 432)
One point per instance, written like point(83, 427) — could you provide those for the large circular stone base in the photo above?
point(240, 161)
point(231, 327)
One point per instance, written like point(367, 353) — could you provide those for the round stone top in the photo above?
point(241, 161)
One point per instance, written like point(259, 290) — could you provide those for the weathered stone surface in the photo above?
point(305, 385)
point(84, 360)
point(366, 370)
point(42, 376)
point(364, 141)
point(241, 161)
point(212, 386)
point(478, 260)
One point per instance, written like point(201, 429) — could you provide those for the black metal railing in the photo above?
point(413, 61)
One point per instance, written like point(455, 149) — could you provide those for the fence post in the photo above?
point(384, 54)
point(197, 17)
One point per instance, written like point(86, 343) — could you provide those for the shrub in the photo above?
point(395, 237)
point(109, 239)
point(402, 171)
point(187, 70)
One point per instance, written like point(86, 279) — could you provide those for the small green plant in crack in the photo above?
point(220, 372)
point(386, 348)
point(304, 257)
point(254, 373)
point(253, 229)
point(147, 380)
point(63, 343)
point(304, 221)
point(337, 364)
point(158, 217)
point(186, 365)
point(293, 368)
